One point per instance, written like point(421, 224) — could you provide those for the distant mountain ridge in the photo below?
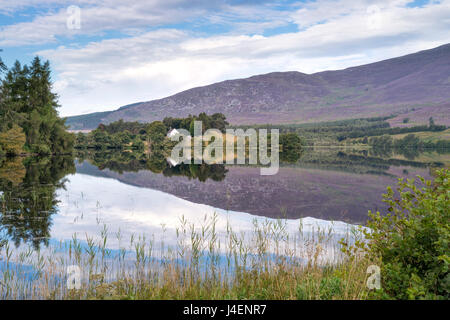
point(415, 86)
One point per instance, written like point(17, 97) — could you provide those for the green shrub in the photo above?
point(330, 288)
point(413, 240)
point(301, 292)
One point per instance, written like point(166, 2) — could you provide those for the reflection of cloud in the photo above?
point(140, 211)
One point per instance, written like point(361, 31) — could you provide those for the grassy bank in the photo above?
point(267, 263)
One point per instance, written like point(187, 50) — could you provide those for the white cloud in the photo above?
point(127, 18)
point(131, 18)
point(147, 65)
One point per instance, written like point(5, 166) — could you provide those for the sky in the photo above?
point(108, 53)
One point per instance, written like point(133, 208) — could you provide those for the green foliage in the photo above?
point(413, 240)
point(291, 147)
point(27, 101)
point(119, 126)
point(101, 139)
point(157, 132)
point(333, 132)
point(12, 141)
point(215, 121)
point(2, 64)
point(122, 135)
point(330, 287)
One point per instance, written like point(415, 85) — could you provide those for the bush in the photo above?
point(13, 141)
point(413, 240)
point(330, 288)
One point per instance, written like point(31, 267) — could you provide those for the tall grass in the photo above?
point(267, 263)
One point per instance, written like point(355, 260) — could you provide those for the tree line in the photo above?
point(214, 121)
point(140, 137)
point(340, 130)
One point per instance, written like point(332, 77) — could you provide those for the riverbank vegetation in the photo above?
point(409, 243)
point(153, 137)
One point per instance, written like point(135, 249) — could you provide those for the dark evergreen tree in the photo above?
point(27, 100)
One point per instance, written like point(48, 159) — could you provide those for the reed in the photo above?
point(266, 263)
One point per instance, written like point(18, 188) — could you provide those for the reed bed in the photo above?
point(270, 262)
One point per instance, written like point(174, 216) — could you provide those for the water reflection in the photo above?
point(329, 184)
point(28, 201)
point(333, 184)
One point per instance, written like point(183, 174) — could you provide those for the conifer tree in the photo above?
point(27, 100)
point(2, 64)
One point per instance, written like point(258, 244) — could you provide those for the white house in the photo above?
point(172, 133)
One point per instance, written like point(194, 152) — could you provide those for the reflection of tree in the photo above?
point(27, 205)
point(118, 161)
point(408, 153)
point(157, 162)
point(13, 170)
point(380, 152)
point(202, 172)
point(290, 155)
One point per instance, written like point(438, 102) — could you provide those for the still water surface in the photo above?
point(48, 200)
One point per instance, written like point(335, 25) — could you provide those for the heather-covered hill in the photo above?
point(415, 86)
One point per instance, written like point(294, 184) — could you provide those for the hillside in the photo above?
point(415, 86)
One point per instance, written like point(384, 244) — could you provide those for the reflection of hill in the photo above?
point(296, 191)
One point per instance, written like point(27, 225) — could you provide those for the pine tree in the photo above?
point(2, 64)
point(27, 100)
point(431, 122)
